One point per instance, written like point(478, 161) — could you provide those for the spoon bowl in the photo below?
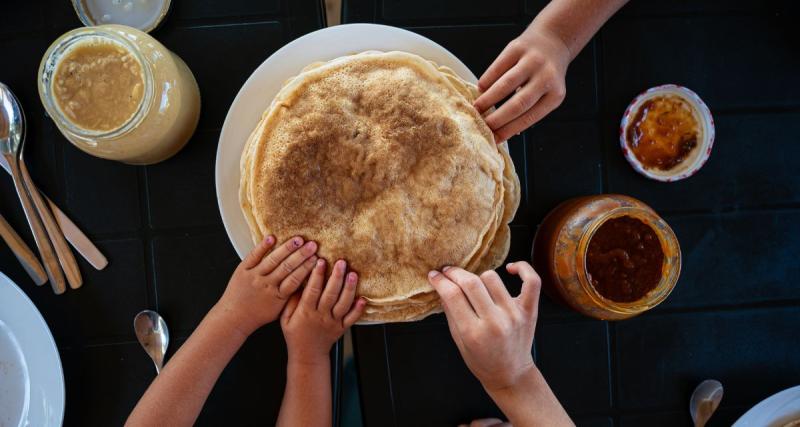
point(153, 335)
point(704, 401)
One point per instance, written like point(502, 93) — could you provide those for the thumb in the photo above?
point(531, 285)
point(289, 309)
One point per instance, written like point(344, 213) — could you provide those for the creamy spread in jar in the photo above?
point(98, 84)
point(117, 93)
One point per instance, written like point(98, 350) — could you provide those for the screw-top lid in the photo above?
point(144, 15)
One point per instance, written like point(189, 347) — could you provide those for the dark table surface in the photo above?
point(735, 312)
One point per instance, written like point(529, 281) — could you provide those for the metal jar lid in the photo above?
point(144, 15)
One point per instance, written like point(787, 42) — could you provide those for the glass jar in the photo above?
point(560, 252)
point(162, 122)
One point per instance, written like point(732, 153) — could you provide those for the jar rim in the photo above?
point(668, 241)
point(50, 63)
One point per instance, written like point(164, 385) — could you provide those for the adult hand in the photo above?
point(493, 331)
point(532, 67)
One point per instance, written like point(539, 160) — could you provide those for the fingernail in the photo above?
point(351, 279)
point(341, 265)
point(311, 246)
point(432, 274)
point(320, 262)
point(447, 267)
point(297, 242)
point(270, 240)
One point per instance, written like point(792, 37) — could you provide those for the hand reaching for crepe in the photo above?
point(262, 283)
point(494, 333)
point(311, 323)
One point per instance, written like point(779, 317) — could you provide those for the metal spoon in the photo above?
point(11, 136)
point(704, 401)
point(153, 335)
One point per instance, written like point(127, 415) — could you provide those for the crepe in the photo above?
point(381, 158)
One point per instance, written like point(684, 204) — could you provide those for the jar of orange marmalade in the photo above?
point(609, 256)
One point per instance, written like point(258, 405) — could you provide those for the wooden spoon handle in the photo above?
point(64, 253)
point(49, 260)
point(23, 253)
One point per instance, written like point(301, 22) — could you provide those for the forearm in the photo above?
point(575, 22)
point(307, 398)
point(531, 403)
point(177, 395)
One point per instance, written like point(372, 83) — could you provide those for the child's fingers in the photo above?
point(292, 282)
point(289, 309)
point(521, 102)
point(496, 287)
point(331, 293)
point(274, 259)
point(355, 313)
point(543, 106)
point(313, 289)
point(531, 285)
point(506, 85)
point(257, 254)
point(346, 297)
point(293, 261)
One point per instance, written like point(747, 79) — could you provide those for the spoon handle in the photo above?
point(54, 272)
point(23, 253)
point(65, 256)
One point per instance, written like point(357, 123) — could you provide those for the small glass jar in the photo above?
point(166, 116)
point(560, 254)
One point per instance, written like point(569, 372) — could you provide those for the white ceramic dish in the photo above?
point(697, 157)
point(265, 82)
point(774, 411)
point(31, 379)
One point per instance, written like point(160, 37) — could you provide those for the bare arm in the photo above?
point(177, 395)
point(256, 294)
point(311, 324)
point(533, 66)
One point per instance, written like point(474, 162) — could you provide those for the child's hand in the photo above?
point(313, 322)
point(262, 283)
point(492, 330)
point(533, 65)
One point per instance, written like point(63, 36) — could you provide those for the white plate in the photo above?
point(774, 411)
point(265, 82)
point(31, 379)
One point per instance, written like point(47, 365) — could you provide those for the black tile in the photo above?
point(754, 163)
point(594, 422)
point(454, 397)
point(102, 196)
point(252, 43)
point(573, 358)
point(374, 385)
point(102, 310)
point(565, 162)
point(216, 9)
point(181, 190)
point(191, 273)
point(250, 389)
point(103, 383)
point(60, 16)
point(21, 17)
point(753, 254)
point(638, 8)
point(661, 358)
point(722, 417)
point(731, 61)
point(448, 10)
point(358, 11)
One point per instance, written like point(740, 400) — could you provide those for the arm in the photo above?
point(494, 333)
point(311, 324)
point(535, 64)
point(255, 296)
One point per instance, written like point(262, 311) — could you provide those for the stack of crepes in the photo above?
point(381, 158)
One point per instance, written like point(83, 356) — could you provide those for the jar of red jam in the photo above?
point(609, 256)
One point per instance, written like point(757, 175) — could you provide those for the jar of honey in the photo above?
point(609, 256)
